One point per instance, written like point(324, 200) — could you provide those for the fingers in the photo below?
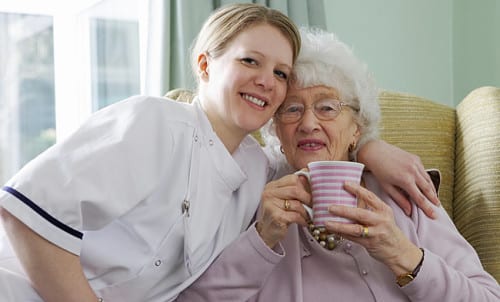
point(292, 209)
point(377, 211)
point(427, 188)
point(427, 207)
point(351, 231)
point(273, 220)
point(419, 190)
point(355, 232)
point(358, 215)
point(290, 187)
point(367, 196)
point(400, 198)
point(281, 205)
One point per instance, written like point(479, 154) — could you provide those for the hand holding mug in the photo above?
point(281, 205)
point(374, 228)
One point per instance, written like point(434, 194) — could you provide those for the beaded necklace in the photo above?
point(328, 241)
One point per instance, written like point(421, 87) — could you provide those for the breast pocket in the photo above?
point(112, 254)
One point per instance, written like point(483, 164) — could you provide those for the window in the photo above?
point(115, 60)
point(27, 111)
point(58, 63)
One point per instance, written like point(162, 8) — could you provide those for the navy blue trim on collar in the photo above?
point(42, 213)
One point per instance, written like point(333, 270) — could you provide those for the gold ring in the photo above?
point(364, 234)
point(286, 205)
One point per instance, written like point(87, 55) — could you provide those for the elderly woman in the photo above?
point(384, 255)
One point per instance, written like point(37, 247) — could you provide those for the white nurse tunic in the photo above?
point(144, 192)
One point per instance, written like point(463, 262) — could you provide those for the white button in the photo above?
point(211, 142)
point(364, 272)
point(100, 299)
point(158, 262)
point(196, 138)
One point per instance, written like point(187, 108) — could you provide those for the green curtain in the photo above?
point(173, 24)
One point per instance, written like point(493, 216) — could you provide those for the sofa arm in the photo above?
point(477, 174)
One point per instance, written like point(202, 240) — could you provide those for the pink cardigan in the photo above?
point(301, 270)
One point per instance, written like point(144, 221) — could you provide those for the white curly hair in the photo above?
point(325, 60)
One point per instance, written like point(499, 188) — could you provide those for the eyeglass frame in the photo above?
point(340, 103)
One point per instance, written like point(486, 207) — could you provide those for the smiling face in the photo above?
point(241, 89)
point(311, 139)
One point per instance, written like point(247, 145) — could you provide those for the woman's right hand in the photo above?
point(281, 205)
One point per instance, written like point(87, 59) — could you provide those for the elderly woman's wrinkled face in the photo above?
point(319, 134)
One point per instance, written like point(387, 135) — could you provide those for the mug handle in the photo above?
point(308, 176)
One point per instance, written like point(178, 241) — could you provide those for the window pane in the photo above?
point(115, 60)
point(27, 113)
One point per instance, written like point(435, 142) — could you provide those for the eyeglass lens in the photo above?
point(323, 110)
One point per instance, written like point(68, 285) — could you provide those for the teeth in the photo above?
point(310, 145)
point(254, 100)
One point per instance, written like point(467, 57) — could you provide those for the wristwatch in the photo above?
point(404, 279)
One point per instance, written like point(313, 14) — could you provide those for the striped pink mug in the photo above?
point(327, 180)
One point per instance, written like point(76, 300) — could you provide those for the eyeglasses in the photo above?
point(325, 110)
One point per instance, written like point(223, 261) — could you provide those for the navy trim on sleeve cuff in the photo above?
point(42, 213)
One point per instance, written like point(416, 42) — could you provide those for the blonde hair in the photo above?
point(225, 23)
